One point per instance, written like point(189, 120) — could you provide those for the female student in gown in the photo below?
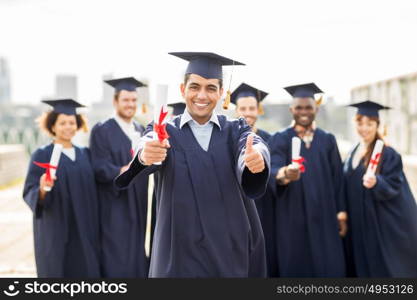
point(382, 241)
point(65, 221)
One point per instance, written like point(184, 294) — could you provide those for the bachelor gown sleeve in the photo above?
point(31, 187)
point(337, 175)
point(254, 185)
point(105, 171)
point(391, 178)
point(136, 168)
point(279, 149)
point(264, 135)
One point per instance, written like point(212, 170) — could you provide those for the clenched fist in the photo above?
point(154, 152)
point(292, 173)
point(369, 181)
point(44, 185)
point(254, 160)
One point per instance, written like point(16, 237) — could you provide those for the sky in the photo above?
point(336, 44)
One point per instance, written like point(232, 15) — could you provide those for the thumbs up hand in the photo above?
point(254, 160)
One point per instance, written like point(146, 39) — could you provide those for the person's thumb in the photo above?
point(249, 143)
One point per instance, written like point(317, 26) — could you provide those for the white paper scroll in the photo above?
point(375, 158)
point(135, 139)
point(160, 105)
point(161, 100)
point(295, 151)
point(56, 154)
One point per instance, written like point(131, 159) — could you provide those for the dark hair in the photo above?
point(116, 95)
point(47, 120)
point(370, 148)
point(187, 77)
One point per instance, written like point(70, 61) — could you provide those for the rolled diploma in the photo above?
point(295, 151)
point(377, 150)
point(135, 138)
point(56, 154)
point(161, 100)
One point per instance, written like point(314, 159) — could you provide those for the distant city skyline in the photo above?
point(338, 45)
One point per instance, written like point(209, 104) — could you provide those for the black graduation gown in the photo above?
point(206, 226)
point(266, 210)
point(308, 242)
point(122, 213)
point(65, 225)
point(263, 134)
point(383, 220)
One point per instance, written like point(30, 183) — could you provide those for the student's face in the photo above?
point(247, 107)
point(304, 111)
point(65, 127)
point(126, 104)
point(366, 129)
point(201, 96)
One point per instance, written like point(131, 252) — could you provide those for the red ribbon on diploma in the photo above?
point(300, 162)
point(374, 162)
point(48, 168)
point(160, 127)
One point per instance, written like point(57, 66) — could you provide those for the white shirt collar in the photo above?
point(127, 127)
point(186, 117)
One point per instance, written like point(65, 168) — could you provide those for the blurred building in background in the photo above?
point(400, 93)
point(66, 86)
point(4, 82)
point(107, 91)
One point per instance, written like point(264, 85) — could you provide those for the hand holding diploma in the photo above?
point(45, 185)
point(154, 152)
point(369, 179)
point(293, 171)
point(254, 160)
point(297, 160)
point(47, 180)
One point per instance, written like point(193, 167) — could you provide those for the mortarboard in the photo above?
point(64, 106)
point(245, 90)
point(369, 108)
point(306, 90)
point(208, 65)
point(178, 108)
point(128, 84)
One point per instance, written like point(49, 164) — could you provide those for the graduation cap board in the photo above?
point(245, 90)
point(369, 108)
point(64, 106)
point(127, 83)
point(178, 108)
point(207, 65)
point(306, 90)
